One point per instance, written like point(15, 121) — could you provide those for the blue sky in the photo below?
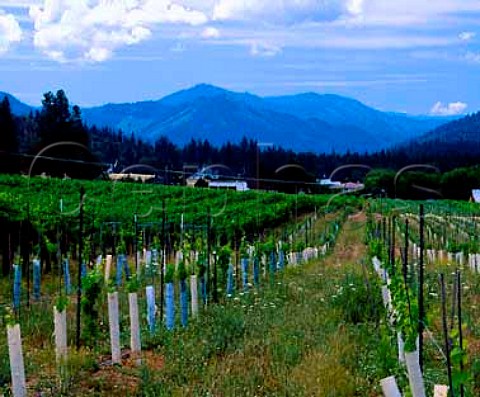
point(415, 56)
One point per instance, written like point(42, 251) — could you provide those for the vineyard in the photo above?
point(144, 290)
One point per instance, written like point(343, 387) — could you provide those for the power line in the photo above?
point(59, 159)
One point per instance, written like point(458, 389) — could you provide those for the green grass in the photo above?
point(292, 339)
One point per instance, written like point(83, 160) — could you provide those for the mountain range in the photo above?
point(464, 131)
point(303, 122)
point(18, 108)
point(458, 136)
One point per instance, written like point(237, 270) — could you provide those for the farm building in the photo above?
point(344, 187)
point(239, 186)
point(328, 183)
point(209, 177)
point(131, 177)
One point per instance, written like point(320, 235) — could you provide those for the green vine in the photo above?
point(61, 303)
point(92, 288)
point(405, 306)
point(170, 273)
point(182, 270)
point(459, 359)
point(133, 285)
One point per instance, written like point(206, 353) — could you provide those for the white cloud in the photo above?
point(467, 36)
point(320, 37)
point(93, 29)
point(264, 49)
point(386, 13)
point(452, 109)
point(473, 57)
point(210, 33)
point(98, 54)
point(56, 56)
point(285, 11)
point(409, 13)
point(10, 31)
point(275, 11)
point(355, 7)
point(334, 24)
point(19, 3)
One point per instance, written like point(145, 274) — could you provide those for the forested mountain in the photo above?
point(385, 128)
point(464, 131)
point(319, 123)
point(18, 108)
point(454, 149)
point(452, 145)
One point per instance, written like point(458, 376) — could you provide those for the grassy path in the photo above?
point(308, 335)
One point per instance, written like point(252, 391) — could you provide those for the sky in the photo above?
point(414, 56)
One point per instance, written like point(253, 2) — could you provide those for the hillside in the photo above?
point(386, 128)
point(306, 122)
point(461, 135)
point(18, 108)
point(465, 130)
point(454, 144)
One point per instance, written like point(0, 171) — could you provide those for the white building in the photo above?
point(239, 186)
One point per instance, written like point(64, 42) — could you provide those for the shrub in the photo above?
point(170, 273)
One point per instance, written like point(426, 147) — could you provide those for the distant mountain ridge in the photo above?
point(458, 135)
point(303, 122)
point(452, 145)
point(342, 111)
point(18, 108)
point(464, 130)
